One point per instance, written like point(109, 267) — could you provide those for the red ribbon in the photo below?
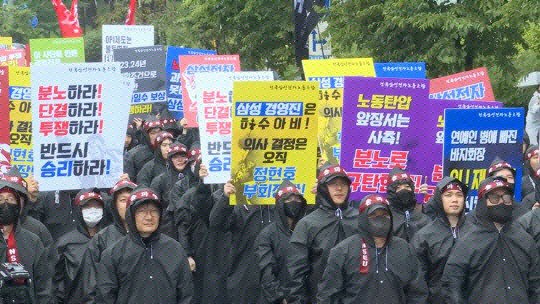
point(68, 20)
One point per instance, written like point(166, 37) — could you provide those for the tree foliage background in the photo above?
point(450, 36)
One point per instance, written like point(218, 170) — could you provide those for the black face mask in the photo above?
point(8, 214)
point(406, 198)
point(500, 213)
point(294, 209)
point(379, 226)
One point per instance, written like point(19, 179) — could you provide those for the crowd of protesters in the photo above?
point(161, 235)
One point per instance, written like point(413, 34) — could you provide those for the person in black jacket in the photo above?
point(176, 168)
point(71, 247)
point(19, 245)
point(530, 162)
point(318, 232)
point(273, 244)
point(532, 200)
point(402, 199)
point(497, 260)
point(157, 165)
point(500, 168)
point(107, 236)
point(145, 266)
point(17, 183)
point(130, 141)
point(374, 265)
point(530, 221)
point(434, 243)
point(244, 222)
point(137, 157)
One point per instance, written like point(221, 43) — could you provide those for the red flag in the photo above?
point(68, 20)
point(130, 19)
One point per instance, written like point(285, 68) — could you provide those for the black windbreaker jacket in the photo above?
point(491, 266)
point(394, 274)
point(273, 247)
point(434, 243)
point(134, 270)
point(311, 241)
point(244, 222)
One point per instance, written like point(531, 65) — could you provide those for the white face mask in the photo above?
point(92, 216)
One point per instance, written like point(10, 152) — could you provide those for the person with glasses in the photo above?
point(497, 261)
point(145, 266)
point(157, 165)
point(137, 157)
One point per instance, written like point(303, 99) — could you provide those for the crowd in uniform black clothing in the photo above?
point(161, 235)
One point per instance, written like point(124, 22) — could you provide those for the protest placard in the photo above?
point(13, 57)
point(124, 36)
point(146, 65)
point(57, 50)
point(469, 85)
point(473, 138)
point(189, 66)
point(6, 42)
point(274, 139)
point(80, 113)
point(215, 121)
point(4, 121)
point(20, 117)
point(416, 70)
point(174, 81)
point(329, 73)
point(390, 122)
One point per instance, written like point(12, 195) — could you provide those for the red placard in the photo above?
point(13, 57)
point(192, 64)
point(469, 85)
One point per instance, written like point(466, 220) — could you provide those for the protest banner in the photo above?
point(57, 50)
point(189, 66)
point(146, 65)
point(20, 117)
point(390, 122)
point(274, 138)
point(416, 70)
point(215, 121)
point(4, 121)
point(80, 113)
point(329, 73)
point(12, 57)
point(6, 42)
point(473, 138)
point(469, 85)
point(124, 36)
point(174, 81)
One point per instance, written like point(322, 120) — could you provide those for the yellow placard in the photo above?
point(330, 73)
point(6, 42)
point(20, 115)
point(274, 139)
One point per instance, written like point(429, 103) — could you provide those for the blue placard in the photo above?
point(473, 138)
point(174, 87)
point(401, 70)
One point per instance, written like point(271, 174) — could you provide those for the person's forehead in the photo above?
point(500, 191)
point(504, 172)
point(448, 192)
point(7, 195)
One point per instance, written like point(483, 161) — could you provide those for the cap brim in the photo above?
point(374, 207)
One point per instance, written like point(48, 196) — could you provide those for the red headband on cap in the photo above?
point(288, 189)
point(142, 194)
point(15, 180)
point(372, 200)
point(532, 153)
point(168, 121)
point(492, 185)
point(88, 195)
point(121, 184)
point(452, 186)
point(162, 136)
point(331, 171)
point(152, 124)
point(8, 190)
point(399, 177)
point(501, 165)
point(177, 148)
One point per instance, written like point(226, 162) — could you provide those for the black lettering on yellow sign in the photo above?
point(471, 177)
